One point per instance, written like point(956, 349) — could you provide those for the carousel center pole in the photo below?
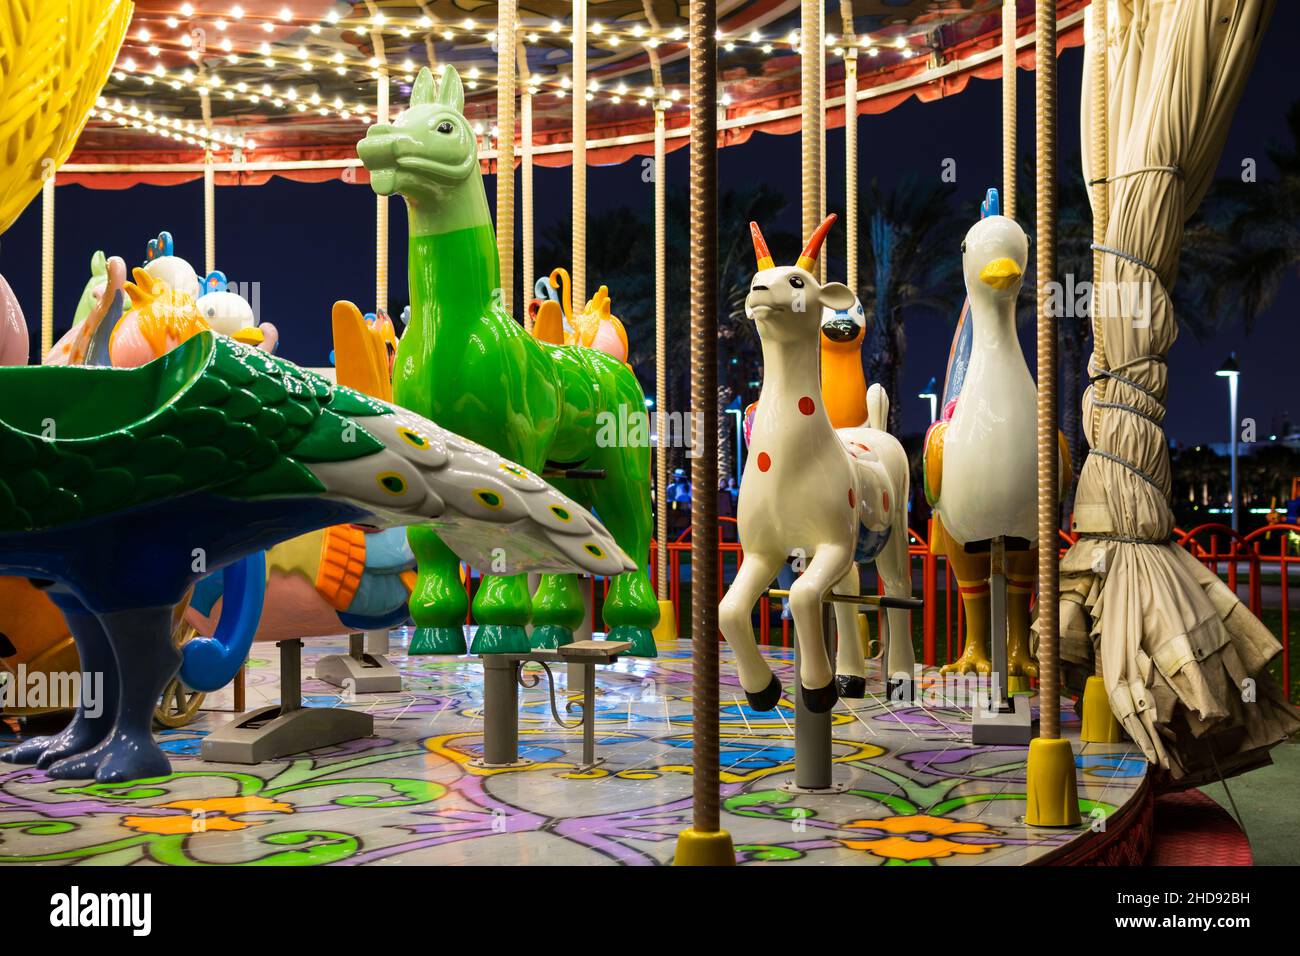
point(1009, 109)
point(506, 10)
point(526, 183)
point(1052, 793)
point(850, 145)
point(381, 202)
point(209, 188)
point(578, 272)
point(47, 264)
point(704, 843)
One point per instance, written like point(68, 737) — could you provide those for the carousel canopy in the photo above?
point(287, 87)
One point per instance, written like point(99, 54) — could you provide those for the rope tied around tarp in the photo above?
point(1174, 170)
point(1128, 257)
point(1123, 538)
point(1124, 379)
point(1130, 466)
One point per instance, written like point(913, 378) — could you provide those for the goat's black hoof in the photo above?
point(820, 700)
point(900, 690)
point(767, 698)
point(852, 686)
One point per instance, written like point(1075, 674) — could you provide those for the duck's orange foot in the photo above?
point(1021, 664)
point(973, 661)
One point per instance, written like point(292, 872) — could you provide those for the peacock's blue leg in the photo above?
point(141, 639)
point(97, 709)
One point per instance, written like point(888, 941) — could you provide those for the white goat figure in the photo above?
point(802, 492)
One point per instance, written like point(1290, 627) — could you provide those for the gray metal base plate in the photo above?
point(265, 733)
point(792, 787)
point(1009, 728)
point(369, 674)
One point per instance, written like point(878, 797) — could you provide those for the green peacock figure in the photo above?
point(121, 487)
point(465, 362)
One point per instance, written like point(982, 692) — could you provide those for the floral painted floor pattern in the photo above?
point(917, 791)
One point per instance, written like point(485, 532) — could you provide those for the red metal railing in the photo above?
point(1216, 546)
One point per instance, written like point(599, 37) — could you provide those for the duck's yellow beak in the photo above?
point(1000, 273)
point(250, 335)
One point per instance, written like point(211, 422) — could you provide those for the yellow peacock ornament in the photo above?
point(55, 56)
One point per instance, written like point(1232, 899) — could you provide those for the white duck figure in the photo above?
point(990, 450)
point(981, 465)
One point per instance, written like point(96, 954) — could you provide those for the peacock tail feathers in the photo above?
point(219, 417)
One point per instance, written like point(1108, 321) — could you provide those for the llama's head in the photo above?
point(786, 302)
point(429, 149)
point(993, 257)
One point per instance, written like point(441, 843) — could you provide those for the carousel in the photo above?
point(414, 606)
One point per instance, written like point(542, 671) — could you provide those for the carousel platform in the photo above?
point(916, 791)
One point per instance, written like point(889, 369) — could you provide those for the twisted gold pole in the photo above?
point(47, 264)
point(506, 16)
point(810, 49)
point(526, 182)
point(1100, 188)
point(1009, 109)
point(578, 271)
point(209, 190)
point(1049, 688)
point(381, 202)
point(850, 145)
point(705, 842)
point(661, 361)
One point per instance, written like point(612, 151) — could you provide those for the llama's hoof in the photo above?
point(500, 639)
point(900, 690)
point(767, 698)
point(437, 640)
point(641, 638)
point(550, 636)
point(819, 700)
point(851, 686)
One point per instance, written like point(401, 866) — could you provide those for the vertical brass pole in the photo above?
point(578, 272)
point(1048, 472)
point(506, 11)
point(381, 202)
point(705, 843)
point(1052, 793)
point(209, 188)
point(1009, 109)
point(661, 360)
point(47, 264)
point(526, 184)
point(850, 144)
point(810, 174)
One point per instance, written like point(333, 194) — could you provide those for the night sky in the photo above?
point(310, 244)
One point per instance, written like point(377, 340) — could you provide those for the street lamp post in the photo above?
point(932, 394)
point(1230, 370)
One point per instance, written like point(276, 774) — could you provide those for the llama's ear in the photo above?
point(98, 264)
point(422, 90)
point(451, 92)
point(837, 296)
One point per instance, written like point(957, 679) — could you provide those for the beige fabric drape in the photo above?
point(1183, 659)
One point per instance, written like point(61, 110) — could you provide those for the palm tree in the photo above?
point(1260, 220)
point(910, 264)
point(620, 254)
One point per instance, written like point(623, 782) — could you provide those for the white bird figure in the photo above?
point(981, 465)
